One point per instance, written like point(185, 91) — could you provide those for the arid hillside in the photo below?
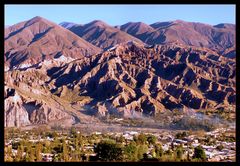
point(52, 75)
point(38, 39)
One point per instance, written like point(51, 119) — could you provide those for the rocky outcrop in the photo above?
point(23, 111)
point(15, 114)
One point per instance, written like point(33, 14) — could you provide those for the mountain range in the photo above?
point(69, 72)
point(218, 37)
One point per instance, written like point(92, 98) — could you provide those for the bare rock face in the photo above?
point(131, 77)
point(22, 111)
point(15, 115)
point(102, 110)
point(42, 113)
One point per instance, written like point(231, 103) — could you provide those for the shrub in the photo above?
point(151, 139)
point(220, 147)
point(181, 135)
point(199, 154)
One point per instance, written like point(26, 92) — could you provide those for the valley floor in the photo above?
point(79, 143)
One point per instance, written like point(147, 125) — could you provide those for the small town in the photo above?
point(71, 145)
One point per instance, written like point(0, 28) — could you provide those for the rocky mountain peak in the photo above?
point(98, 23)
point(38, 19)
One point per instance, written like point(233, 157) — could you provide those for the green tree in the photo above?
point(28, 147)
point(65, 152)
point(38, 151)
point(120, 139)
point(75, 156)
point(130, 152)
point(179, 152)
point(27, 158)
point(73, 132)
point(220, 147)
point(199, 153)
point(47, 146)
point(57, 146)
point(8, 154)
point(158, 150)
point(153, 153)
point(181, 135)
point(141, 150)
point(141, 139)
point(152, 139)
point(76, 144)
point(19, 155)
point(32, 155)
point(56, 158)
point(109, 150)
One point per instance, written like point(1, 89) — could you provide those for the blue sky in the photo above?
point(121, 14)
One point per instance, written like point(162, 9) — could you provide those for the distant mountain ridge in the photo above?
point(218, 37)
point(101, 34)
point(190, 33)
